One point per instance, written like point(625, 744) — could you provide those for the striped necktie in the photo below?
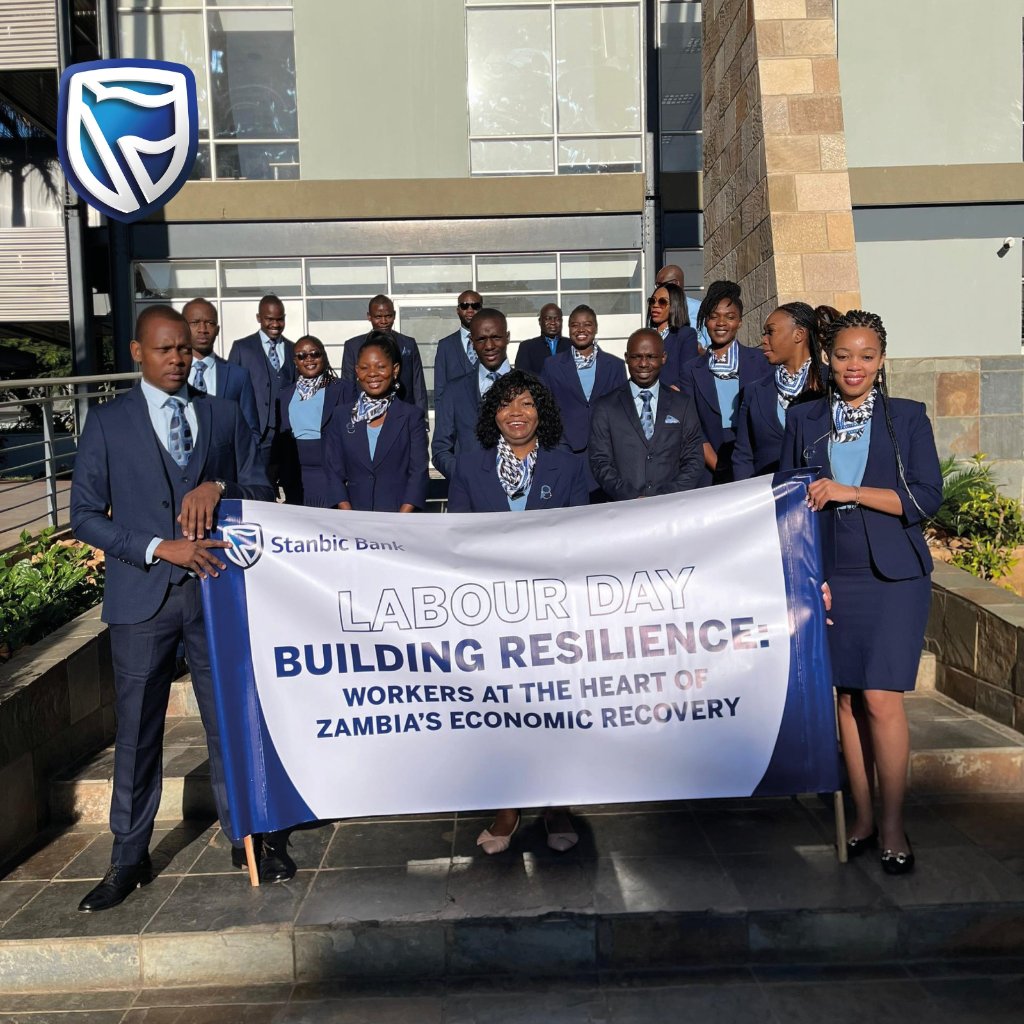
point(647, 415)
point(197, 381)
point(272, 355)
point(179, 435)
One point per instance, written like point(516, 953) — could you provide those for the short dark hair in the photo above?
point(270, 299)
point(583, 308)
point(385, 341)
point(379, 298)
point(158, 312)
point(486, 312)
point(502, 391)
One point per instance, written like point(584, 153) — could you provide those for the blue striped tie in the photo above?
point(197, 381)
point(275, 361)
point(179, 436)
point(647, 415)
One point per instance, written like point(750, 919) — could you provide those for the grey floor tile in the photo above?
point(993, 1000)
point(784, 826)
point(925, 708)
point(308, 844)
point(49, 855)
point(64, 1001)
point(354, 1009)
point(215, 857)
point(725, 1003)
point(390, 843)
point(214, 902)
point(173, 851)
point(664, 884)
point(571, 1006)
point(238, 1013)
point(808, 879)
point(180, 761)
point(881, 1002)
point(185, 732)
point(66, 1017)
point(670, 833)
point(375, 894)
point(15, 895)
point(212, 995)
point(996, 826)
point(956, 735)
point(54, 912)
point(513, 885)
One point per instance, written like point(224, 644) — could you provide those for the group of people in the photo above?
point(569, 424)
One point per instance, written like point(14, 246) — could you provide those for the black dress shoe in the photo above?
point(276, 865)
point(120, 881)
point(855, 847)
point(900, 863)
point(238, 854)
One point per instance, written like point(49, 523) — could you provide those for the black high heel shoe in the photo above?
point(855, 847)
point(894, 863)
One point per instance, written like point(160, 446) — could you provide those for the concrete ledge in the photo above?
point(56, 707)
point(976, 632)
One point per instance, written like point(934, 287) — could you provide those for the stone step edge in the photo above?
point(547, 945)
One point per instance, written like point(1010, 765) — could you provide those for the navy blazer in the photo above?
point(397, 473)
point(455, 417)
point(680, 348)
point(563, 380)
point(758, 430)
point(120, 467)
point(897, 545)
point(412, 383)
point(249, 353)
point(235, 384)
point(558, 482)
point(533, 354)
point(451, 361)
point(627, 465)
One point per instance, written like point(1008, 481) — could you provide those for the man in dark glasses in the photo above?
point(455, 356)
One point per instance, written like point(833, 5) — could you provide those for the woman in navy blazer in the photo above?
point(307, 407)
point(668, 315)
point(880, 479)
point(791, 343)
point(376, 456)
point(519, 469)
point(717, 379)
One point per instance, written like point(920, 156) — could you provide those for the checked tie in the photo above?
point(197, 381)
point(471, 353)
point(646, 415)
point(272, 355)
point(179, 436)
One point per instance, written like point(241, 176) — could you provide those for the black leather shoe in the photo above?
point(855, 847)
point(120, 881)
point(900, 863)
point(238, 854)
point(276, 865)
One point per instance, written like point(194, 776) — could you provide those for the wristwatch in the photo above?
point(223, 486)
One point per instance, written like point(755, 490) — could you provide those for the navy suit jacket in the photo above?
point(120, 467)
point(533, 354)
point(758, 430)
point(450, 362)
point(680, 348)
point(339, 398)
point(235, 384)
point(249, 353)
point(397, 473)
point(563, 380)
point(455, 417)
point(558, 482)
point(897, 545)
point(627, 465)
point(412, 383)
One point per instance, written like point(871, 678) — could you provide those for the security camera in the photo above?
point(1009, 243)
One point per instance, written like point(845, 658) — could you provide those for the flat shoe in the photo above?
point(560, 842)
point(492, 844)
point(855, 847)
point(897, 862)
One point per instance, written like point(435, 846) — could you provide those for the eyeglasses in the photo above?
point(471, 305)
point(307, 356)
point(657, 302)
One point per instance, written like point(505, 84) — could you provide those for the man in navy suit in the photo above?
point(533, 354)
point(270, 359)
point(577, 379)
point(459, 408)
point(412, 384)
point(645, 439)
point(455, 356)
point(151, 467)
point(212, 374)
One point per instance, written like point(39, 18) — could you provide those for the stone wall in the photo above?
point(777, 210)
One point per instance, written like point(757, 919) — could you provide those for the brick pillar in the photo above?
point(777, 213)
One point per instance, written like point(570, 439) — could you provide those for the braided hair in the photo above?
point(812, 321)
point(718, 291)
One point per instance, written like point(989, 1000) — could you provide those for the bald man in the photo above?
point(534, 353)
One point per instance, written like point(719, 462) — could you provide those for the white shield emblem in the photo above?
point(246, 540)
point(128, 133)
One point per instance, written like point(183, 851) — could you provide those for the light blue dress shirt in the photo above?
point(587, 378)
point(654, 389)
point(373, 436)
point(209, 374)
point(306, 416)
point(485, 383)
point(278, 347)
point(728, 400)
point(849, 460)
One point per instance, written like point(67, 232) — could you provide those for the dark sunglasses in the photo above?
point(657, 302)
point(306, 356)
point(471, 305)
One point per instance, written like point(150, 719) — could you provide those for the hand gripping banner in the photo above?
point(670, 648)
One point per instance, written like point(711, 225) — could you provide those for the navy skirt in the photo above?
point(314, 480)
point(878, 624)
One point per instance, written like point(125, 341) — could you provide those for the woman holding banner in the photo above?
point(376, 457)
point(520, 469)
point(879, 480)
point(790, 342)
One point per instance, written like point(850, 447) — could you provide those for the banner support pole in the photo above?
point(250, 859)
point(840, 809)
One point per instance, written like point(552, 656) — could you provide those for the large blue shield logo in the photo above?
point(246, 540)
point(127, 133)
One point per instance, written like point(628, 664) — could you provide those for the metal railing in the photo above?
point(40, 422)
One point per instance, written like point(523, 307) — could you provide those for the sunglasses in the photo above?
point(471, 305)
point(307, 356)
point(657, 302)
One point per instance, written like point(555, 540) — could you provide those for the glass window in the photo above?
point(258, 161)
point(255, 279)
point(508, 156)
point(347, 277)
point(577, 156)
point(618, 270)
point(679, 85)
point(178, 280)
point(516, 274)
point(238, 320)
point(428, 276)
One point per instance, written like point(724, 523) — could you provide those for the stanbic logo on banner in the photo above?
point(246, 540)
point(127, 133)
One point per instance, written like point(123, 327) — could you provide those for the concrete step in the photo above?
point(182, 703)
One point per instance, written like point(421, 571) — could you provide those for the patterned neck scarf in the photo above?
point(728, 367)
point(515, 476)
point(307, 387)
point(367, 409)
point(584, 362)
point(789, 385)
point(848, 423)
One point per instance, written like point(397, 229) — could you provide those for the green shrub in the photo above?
point(45, 583)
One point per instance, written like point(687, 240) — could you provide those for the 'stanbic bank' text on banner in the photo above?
point(669, 648)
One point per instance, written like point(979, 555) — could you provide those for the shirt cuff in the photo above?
point(151, 550)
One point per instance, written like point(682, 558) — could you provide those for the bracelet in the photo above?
point(856, 498)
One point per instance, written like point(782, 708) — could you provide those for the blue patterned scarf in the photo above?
point(584, 362)
point(367, 409)
point(727, 368)
point(515, 476)
point(789, 385)
point(848, 423)
point(307, 387)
